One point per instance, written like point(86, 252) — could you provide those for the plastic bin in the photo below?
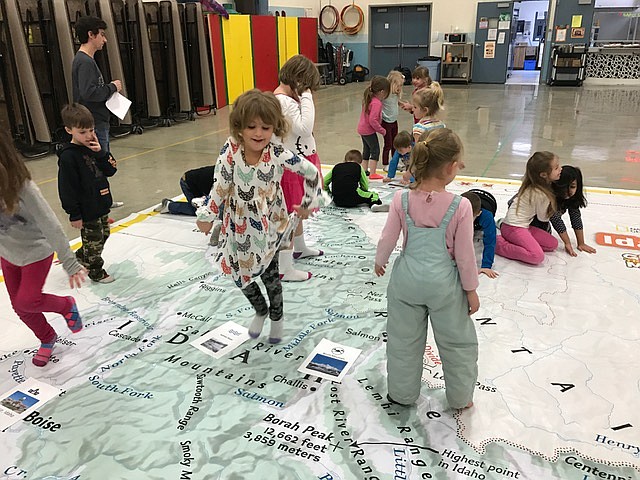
point(433, 64)
point(529, 64)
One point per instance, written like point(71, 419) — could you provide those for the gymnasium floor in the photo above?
point(595, 128)
point(557, 389)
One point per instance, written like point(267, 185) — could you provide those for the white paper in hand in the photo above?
point(118, 105)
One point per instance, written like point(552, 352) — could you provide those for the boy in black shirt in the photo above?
point(349, 183)
point(194, 183)
point(83, 168)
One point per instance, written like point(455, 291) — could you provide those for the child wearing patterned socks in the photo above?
point(255, 221)
point(29, 234)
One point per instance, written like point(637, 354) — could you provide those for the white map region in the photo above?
point(579, 319)
point(557, 391)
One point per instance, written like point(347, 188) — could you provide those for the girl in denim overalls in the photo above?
point(434, 277)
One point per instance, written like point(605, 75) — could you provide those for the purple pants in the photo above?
point(525, 244)
point(24, 285)
point(388, 150)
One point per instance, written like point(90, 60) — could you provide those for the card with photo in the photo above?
point(330, 360)
point(222, 340)
point(22, 399)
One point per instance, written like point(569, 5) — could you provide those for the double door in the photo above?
point(399, 36)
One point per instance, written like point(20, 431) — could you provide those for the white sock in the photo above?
point(301, 250)
point(275, 336)
point(384, 207)
point(255, 329)
point(287, 272)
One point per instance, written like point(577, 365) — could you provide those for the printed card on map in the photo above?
point(222, 340)
point(330, 360)
point(18, 402)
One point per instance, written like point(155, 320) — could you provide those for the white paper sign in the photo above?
point(22, 399)
point(118, 105)
point(489, 49)
point(330, 360)
point(504, 25)
point(501, 37)
point(493, 34)
point(222, 340)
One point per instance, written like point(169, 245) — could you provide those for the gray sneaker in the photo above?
point(164, 206)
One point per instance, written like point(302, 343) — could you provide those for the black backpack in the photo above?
point(487, 201)
point(359, 73)
point(328, 48)
point(406, 73)
point(322, 52)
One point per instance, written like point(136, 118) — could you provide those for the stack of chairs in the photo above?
point(158, 49)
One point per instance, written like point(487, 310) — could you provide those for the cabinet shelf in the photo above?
point(456, 62)
point(568, 65)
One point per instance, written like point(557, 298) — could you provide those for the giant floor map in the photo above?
point(557, 395)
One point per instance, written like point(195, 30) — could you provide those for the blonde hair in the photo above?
point(255, 104)
point(300, 74)
point(540, 162)
point(396, 81)
point(430, 99)
point(434, 150)
point(378, 84)
point(13, 174)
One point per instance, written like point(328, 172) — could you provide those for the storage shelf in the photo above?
point(456, 71)
point(568, 65)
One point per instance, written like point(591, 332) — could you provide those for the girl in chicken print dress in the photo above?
point(255, 221)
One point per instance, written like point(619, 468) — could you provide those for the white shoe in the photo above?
point(116, 204)
point(385, 168)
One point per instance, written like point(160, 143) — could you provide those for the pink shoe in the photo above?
point(375, 176)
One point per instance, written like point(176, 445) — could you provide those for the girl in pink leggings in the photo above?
point(519, 240)
point(29, 234)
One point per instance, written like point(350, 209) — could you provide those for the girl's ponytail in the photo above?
point(366, 101)
point(540, 162)
point(433, 152)
point(378, 84)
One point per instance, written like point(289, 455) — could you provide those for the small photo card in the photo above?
point(222, 340)
point(330, 360)
point(22, 399)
